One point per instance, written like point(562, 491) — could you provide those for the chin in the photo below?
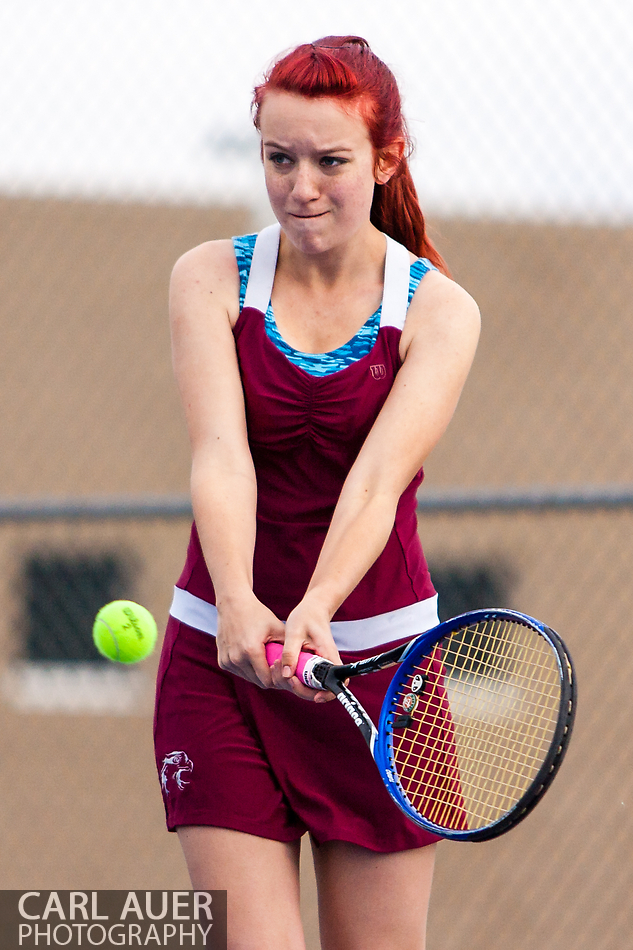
point(309, 233)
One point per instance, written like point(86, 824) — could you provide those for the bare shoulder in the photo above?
point(441, 308)
point(206, 277)
point(212, 258)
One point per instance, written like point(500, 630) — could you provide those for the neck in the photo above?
point(345, 262)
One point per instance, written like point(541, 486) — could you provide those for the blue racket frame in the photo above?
point(382, 745)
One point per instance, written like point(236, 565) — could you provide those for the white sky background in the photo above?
point(519, 108)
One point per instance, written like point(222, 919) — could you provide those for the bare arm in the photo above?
point(203, 305)
point(439, 343)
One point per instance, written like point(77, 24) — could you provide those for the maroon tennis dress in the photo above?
point(266, 762)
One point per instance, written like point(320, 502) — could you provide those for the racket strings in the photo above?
point(426, 760)
point(483, 780)
point(482, 727)
point(531, 693)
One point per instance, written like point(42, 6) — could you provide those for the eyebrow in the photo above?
point(322, 151)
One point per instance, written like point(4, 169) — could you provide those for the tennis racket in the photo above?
point(475, 722)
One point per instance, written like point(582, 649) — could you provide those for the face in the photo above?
point(320, 169)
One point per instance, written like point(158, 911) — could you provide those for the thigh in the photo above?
point(370, 900)
point(261, 878)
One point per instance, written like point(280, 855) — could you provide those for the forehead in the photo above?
point(318, 121)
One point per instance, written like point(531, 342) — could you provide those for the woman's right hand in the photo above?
point(245, 626)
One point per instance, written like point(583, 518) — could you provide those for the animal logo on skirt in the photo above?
point(175, 766)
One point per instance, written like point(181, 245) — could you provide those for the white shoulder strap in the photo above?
point(263, 265)
point(395, 295)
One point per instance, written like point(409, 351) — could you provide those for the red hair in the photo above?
point(345, 68)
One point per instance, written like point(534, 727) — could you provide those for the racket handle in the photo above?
point(305, 663)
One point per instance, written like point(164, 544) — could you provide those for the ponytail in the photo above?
point(396, 211)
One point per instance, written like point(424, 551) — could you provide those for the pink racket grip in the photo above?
point(305, 663)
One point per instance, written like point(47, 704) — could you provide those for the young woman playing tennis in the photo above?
point(319, 363)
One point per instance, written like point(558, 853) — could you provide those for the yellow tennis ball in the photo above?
point(124, 631)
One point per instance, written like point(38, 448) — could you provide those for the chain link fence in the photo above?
point(128, 141)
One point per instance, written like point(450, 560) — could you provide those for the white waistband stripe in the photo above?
point(350, 635)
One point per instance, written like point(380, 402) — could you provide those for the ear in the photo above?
point(387, 161)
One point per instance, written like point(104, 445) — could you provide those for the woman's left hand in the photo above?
point(307, 628)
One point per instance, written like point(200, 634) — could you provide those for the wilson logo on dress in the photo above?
point(378, 371)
